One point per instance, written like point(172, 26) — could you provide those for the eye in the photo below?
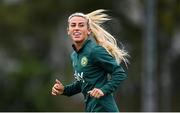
point(81, 25)
point(72, 25)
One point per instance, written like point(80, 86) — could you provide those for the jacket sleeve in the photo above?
point(72, 89)
point(104, 60)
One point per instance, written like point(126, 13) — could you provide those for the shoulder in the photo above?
point(99, 50)
point(94, 50)
point(100, 55)
point(91, 46)
point(94, 47)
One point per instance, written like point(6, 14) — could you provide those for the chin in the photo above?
point(78, 41)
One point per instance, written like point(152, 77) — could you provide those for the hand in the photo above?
point(97, 93)
point(58, 88)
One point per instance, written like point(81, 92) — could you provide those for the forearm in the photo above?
point(117, 77)
point(72, 89)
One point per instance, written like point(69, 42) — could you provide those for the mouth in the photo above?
point(77, 34)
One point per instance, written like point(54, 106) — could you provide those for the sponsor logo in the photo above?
point(79, 76)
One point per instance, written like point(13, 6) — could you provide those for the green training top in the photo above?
point(94, 67)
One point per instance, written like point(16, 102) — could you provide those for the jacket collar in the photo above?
point(83, 45)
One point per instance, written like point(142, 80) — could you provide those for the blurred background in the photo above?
point(35, 50)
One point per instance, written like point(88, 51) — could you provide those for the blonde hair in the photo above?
point(102, 37)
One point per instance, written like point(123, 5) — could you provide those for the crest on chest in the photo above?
point(84, 61)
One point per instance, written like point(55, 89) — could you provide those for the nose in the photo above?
point(76, 27)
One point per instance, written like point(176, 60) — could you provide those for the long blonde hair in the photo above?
point(102, 37)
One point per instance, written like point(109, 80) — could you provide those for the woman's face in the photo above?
point(78, 29)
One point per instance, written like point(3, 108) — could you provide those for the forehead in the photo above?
point(78, 19)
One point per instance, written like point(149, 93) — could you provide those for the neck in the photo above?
point(78, 46)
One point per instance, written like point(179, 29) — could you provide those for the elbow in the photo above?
point(123, 76)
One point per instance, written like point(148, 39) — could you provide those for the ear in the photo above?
point(89, 31)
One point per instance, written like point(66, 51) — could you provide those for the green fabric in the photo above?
point(92, 66)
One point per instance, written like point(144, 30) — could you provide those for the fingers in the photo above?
point(55, 91)
point(58, 82)
point(58, 88)
point(97, 93)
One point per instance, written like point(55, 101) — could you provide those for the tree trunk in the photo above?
point(149, 80)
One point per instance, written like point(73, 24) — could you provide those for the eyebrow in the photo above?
point(78, 23)
point(82, 23)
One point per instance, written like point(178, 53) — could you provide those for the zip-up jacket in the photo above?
point(94, 67)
